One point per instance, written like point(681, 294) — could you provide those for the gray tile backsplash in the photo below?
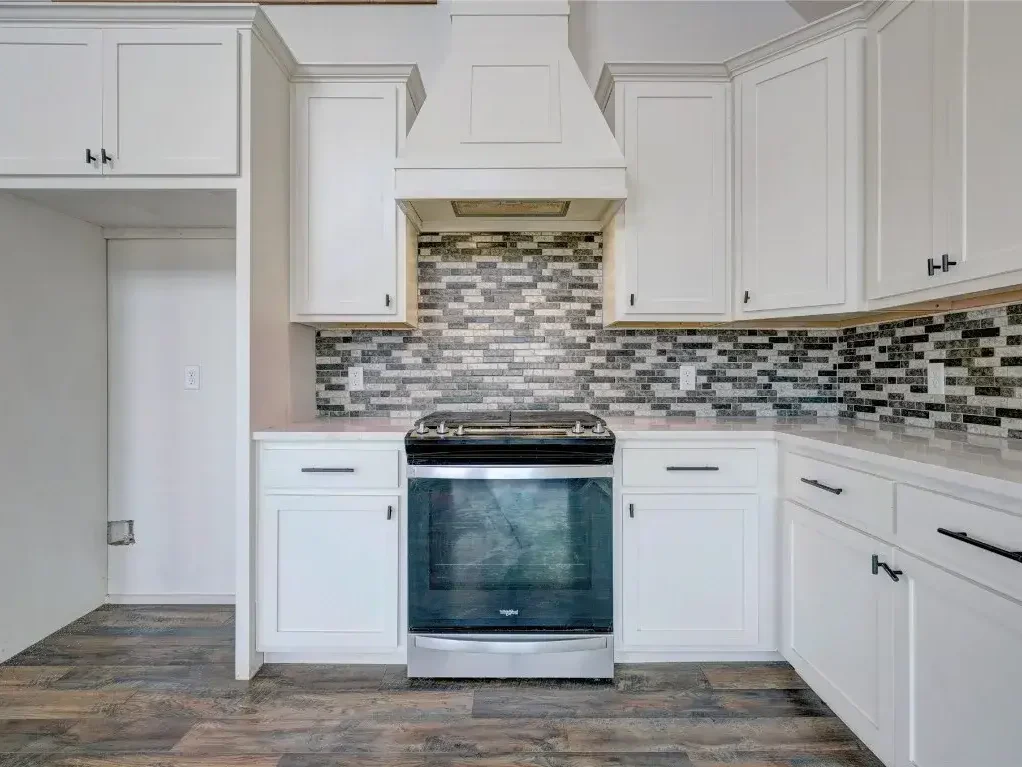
point(515, 320)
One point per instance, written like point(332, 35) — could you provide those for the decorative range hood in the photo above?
point(510, 137)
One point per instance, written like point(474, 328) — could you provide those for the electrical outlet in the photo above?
point(192, 379)
point(935, 377)
point(687, 377)
point(356, 380)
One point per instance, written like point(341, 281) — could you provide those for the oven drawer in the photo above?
point(327, 468)
point(861, 500)
point(689, 467)
point(979, 542)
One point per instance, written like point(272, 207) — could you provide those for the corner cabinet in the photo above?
point(666, 250)
point(942, 150)
point(798, 214)
point(120, 101)
point(353, 250)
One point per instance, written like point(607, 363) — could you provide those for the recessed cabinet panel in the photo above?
point(674, 238)
point(792, 242)
point(50, 89)
point(345, 217)
point(329, 572)
point(959, 682)
point(904, 149)
point(838, 621)
point(170, 101)
point(690, 570)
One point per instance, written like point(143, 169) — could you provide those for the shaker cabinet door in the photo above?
point(170, 101)
point(690, 571)
point(959, 682)
point(329, 572)
point(838, 621)
point(51, 88)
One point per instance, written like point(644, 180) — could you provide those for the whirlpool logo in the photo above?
point(508, 613)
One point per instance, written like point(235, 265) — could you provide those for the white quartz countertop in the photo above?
point(948, 452)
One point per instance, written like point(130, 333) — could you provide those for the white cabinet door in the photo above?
point(51, 88)
point(170, 101)
point(959, 681)
point(690, 570)
point(328, 572)
point(985, 154)
point(674, 225)
point(794, 238)
point(904, 149)
point(345, 218)
point(838, 621)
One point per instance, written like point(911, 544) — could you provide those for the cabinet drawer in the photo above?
point(340, 469)
point(689, 467)
point(922, 513)
point(854, 497)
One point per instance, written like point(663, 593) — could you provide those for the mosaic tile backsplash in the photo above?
point(514, 320)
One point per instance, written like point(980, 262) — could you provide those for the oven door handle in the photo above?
point(505, 647)
point(510, 472)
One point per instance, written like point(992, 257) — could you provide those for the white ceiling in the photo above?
point(173, 208)
point(811, 10)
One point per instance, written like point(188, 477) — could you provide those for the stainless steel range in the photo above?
point(510, 562)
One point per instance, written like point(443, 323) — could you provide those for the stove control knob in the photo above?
point(442, 428)
point(421, 428)
point(577, 428)
point(461, 430)
point(599, 428)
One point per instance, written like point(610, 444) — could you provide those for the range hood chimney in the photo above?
point(510, 137)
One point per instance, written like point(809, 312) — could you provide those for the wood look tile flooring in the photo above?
point(154, 687)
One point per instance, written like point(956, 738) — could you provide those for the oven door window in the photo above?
point(510, 553)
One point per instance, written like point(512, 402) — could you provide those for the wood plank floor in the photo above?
point(154, 687)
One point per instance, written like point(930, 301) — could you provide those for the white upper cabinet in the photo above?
point(353, 249)
point(170, 101)
point(125, 101)
point(799, 212)
point(52, 122)
point(668, 245)
point(943, 150)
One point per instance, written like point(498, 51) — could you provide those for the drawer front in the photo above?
point(975, 529)
point(850, 496)
point(689, 467)
point(339, 469)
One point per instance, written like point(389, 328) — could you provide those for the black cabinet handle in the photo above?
point(746, 297)
point(631, 299)
point(89, 156)
point(931, 267)
point(631, 510)
point(821, 486)
point(946, 263)
point(107, 159)
point(1014, 556)
point(390, 512)
point(386, 299)
point(692, 468)
point(326, 470)
point(877, 564)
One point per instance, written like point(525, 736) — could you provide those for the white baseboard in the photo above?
point(170, 599)
point(693, 656)
point(399, 657)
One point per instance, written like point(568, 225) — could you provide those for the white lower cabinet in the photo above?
point(690, 570)
point(838, 621)
point(959, 681)
point(328, 572)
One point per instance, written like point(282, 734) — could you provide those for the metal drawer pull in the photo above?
point(390, 512)
point(821, 486)
point(1014, 556)
point(326, 470)
point(511, 647)
point(692, 468)
point(877, 564)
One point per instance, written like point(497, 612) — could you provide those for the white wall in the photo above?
point(172, 451)
point(600, 31)
point(53, 422)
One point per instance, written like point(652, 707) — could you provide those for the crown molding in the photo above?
point(615, 72)
point(267, 34)
point(406, 74)
point(113, 14)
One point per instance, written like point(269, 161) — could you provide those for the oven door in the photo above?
point(515, 548)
